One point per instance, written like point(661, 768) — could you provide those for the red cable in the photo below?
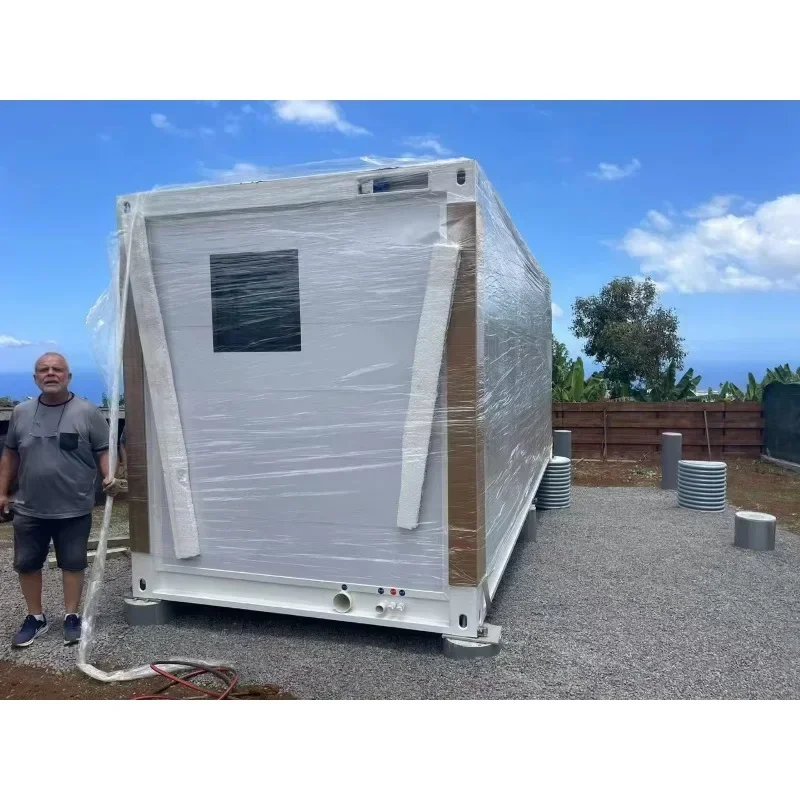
point(225, 675)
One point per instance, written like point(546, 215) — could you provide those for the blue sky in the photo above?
point(705, 195)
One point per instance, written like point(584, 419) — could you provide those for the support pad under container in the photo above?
point(528, 533)
point(147, 612)
point(464, 649)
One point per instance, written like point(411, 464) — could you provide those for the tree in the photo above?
point(628, 333)
point(562, 364)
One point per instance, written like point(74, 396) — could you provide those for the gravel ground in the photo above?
point(623, 596)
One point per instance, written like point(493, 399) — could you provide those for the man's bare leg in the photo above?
point(31, 585)
point(73, 587)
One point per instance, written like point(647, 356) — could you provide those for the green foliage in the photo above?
point(627, 332)
point(562, 364)
point(665, 389)
point(6, 402)
point(106, 401)
point(575, 388)
point(754, 391)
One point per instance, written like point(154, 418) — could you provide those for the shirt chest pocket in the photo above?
point(68, 441)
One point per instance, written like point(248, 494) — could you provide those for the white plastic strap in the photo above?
point(428, 355)
point(163, 397)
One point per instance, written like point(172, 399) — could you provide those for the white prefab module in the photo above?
point(337, 394)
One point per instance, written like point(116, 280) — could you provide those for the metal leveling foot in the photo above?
point(462, 648)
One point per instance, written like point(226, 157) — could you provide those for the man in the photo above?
point(53, 447)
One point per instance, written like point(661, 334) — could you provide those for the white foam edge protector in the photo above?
point(163, 397)
point(426, 370)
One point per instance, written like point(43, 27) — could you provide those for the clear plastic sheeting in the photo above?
point(331, 340)
point(516, 396)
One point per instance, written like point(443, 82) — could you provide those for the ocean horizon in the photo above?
point(85, 383)
point(91, 383)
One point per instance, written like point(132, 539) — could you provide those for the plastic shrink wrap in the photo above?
point(337, 391)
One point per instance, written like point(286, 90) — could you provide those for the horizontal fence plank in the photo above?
point(633, 429)
point(639, 407)
point(645, 452)
point(653, 438)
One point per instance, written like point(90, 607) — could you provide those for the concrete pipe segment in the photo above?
point(555, 490)
point(562, 444)
point(754, 530)
point(702, 485)
point(670, 456)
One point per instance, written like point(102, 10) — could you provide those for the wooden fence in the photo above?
point(633, 430)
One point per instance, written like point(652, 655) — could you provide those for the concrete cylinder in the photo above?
point(754, 530)
point(529, 528)
point(670, 456)
point(555, 489)
point(562, 444)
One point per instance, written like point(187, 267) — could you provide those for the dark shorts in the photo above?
point(32, 537)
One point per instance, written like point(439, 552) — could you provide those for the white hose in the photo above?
point(98, 567)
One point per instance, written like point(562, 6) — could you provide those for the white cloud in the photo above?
point(658, 220)
point(161, 122)
point(615, 172)
point(10, 341)
point(241, 172)
point(557, 310)
point(755, 251)
point(717, 206)
point(232, 124)
point(429, 142)
point(320, 114)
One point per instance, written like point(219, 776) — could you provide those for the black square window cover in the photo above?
point(255, 302)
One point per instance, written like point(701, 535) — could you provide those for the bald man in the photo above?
point(54, 446)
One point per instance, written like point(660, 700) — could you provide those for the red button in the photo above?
point(393, 591)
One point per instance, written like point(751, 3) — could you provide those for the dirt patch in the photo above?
point(752, 485)
point(33, 683)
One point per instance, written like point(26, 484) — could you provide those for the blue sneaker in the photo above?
point(72, 629)
point(30, 629)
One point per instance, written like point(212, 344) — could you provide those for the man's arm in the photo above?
point(9, 462)
point(9, 465)
point(98, 437)
point(123, 453)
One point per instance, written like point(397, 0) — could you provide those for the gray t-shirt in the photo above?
point(57, 446)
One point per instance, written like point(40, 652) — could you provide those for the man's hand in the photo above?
point(112, 487)
point(5, 506)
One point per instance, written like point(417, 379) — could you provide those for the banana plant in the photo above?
point(754, 391)
point(782, 374)
point(575, 388)
point(666, 390)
